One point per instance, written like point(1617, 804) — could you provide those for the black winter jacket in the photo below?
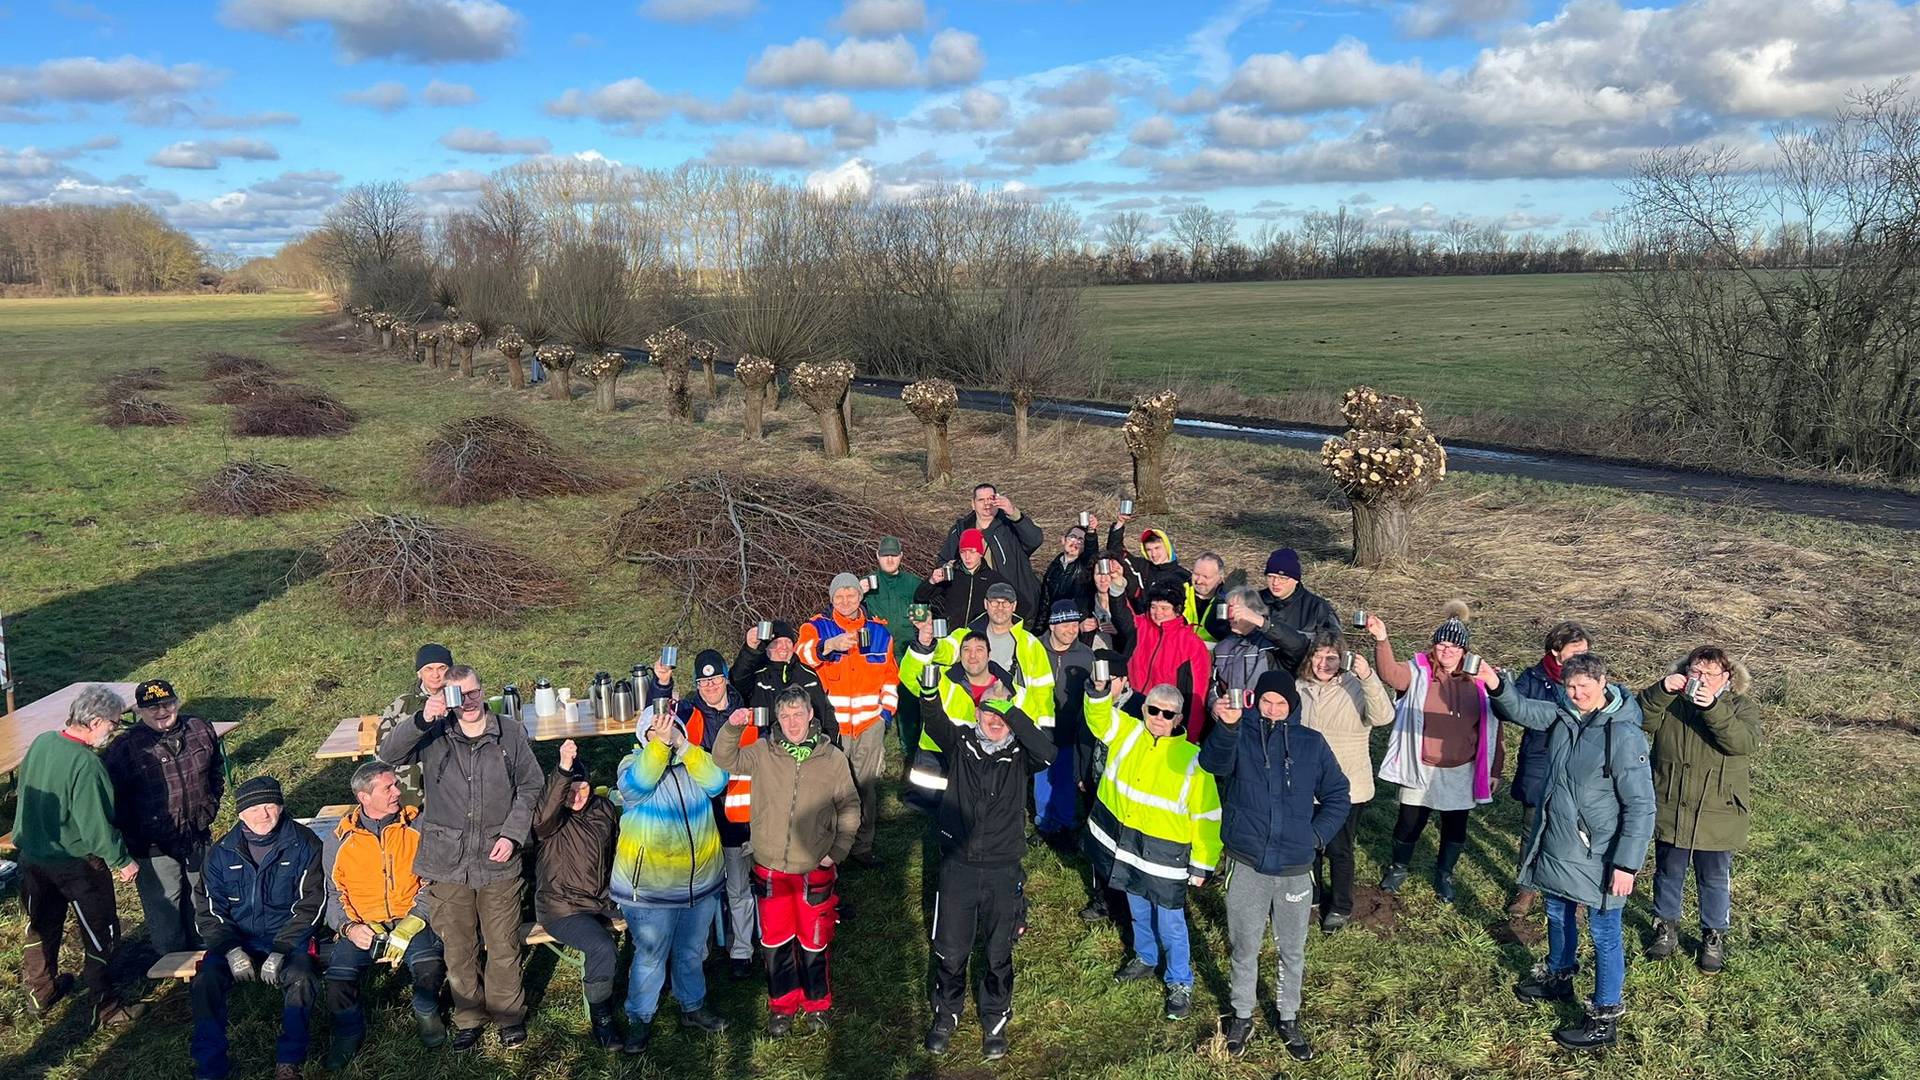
point(1010, 548)
point(983, 813)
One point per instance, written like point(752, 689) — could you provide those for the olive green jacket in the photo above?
point(1702, 764)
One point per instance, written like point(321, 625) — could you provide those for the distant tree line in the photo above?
point(75, 250)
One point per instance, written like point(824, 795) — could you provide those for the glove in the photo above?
point(240, 964)
point(401, 935)
point(270, 968)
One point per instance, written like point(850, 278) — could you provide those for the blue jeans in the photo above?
point(1156, 928)
point(1055, 795)
point(664, 936)
point(1712, 876)
point(1563, 946)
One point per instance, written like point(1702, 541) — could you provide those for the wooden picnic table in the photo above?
point(19, 728)
point(354, 736)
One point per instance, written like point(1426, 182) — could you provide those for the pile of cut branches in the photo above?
point(137, 411)
point(250, 487)
point(222, 365)
point(127, 384)
point(238, 388)
point(478, 459)
point(740, 548)
point(293, 411)
point(401, 564)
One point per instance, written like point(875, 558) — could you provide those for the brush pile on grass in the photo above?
point(298, 411)
point(224, 365)
point(240, 388)
point(741, 548)
point(253, 488)
point(479, 459)
point(404, 565)
point(138, 411)
point(127, 384)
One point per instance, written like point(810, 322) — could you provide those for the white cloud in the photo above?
point(1157, 132)
point(485, 141)
point(1089, 87)
point(873, 18)
point(953, 57)
point(1441, 18)
point(822, 110)
point(386, 97)
point(257, 219)
point(688, 11)
point(446, 93)
point(243, 121)
point(455, 181)
point(766, 150)
point(209, 154)
point(1056, 136)
point(1209, 43)
point(1343, 77)
point(427, 31)
point(974, 110)
point(91, 80)
point(1243, 127)
point(850, 177)
point(630, 101)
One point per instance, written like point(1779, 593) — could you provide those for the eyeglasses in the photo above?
point(1155, 710)
point(1705, 672)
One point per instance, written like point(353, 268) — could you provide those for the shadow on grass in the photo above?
point(108, 632)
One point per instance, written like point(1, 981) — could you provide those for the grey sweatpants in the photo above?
point(1253, 901)
point(166, 886)
point(738, 910)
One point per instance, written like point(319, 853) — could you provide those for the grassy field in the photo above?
point(1458, 344)
point(105, 575)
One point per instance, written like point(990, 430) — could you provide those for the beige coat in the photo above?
point(802, 811)
point(1345, 710)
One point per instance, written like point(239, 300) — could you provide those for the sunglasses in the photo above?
point(1169, 714)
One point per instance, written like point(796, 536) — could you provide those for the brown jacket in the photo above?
point(1451, 735)
point(575, 858)
point(1345, 710)
point(803, 811)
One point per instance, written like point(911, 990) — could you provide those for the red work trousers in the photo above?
point(798, 914)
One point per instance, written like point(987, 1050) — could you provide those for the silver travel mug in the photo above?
point(669, 655)
point(450, 694)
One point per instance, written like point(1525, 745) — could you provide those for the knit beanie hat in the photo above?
point(1284, 561)
point(1278, 681)
point(975, 539)
point(709, 664)
point(1165, 590)
point(258, 792)
point(432, 653)
point(842, 580)
point(783, 630)
point(1063, 611)
point(1455, 630)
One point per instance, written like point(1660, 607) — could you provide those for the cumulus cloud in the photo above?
point(259, 218)
point(209, 154)
point(1157, 132)
point(427, 31)
point(974, 110)
point(1056, 136)
point(1242, 127)
point(244, 121)
point(953, 57)
point(386, 97)
point(1344, 77)
point(468, 140)
point(766, 150)
point(91, 80)
point(448, 93)
point(851, 127)
point(1441, 18)
point(852, 177)
point(634, 105)
point(454, 181)
point(690, 11)
point(873, 18)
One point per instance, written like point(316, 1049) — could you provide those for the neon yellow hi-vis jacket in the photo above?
point(1157, 821)
point(1032, 680)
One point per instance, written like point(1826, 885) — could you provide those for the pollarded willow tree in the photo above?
point(1386, 463)
point(1149, 425)
point(558, 360)
point(823, 386)
point(604, 370)
point(932, 402)
point(755, 373)
point(465, 335)
point(672, 349)
point(706, 351)
point(430, 338)
point(514, 347)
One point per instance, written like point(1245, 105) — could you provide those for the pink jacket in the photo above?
point(1171, 652)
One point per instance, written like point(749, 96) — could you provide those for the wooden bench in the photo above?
point(183, 964)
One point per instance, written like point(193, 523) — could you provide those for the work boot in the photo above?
point(1179, 1001)
point(1133, 971)
point(704, 1020)
point(1334, 922)
point(1395, 877)
point(1236, 1030)
point(466, 1039)
point(433, 1030)
point(344, 1046)
point(1597, 1030)
point(513, 1036)
point(638, 1031)
point(779, 1026)
point(1713, 951)
point(993, 1037)
point(600, 1015)
point(1443, 871)
point(1296, 1043)
point(113, 1015)
point(1523, 902)
point(1545, 984)
point(941, 1033)
point(1666, 939)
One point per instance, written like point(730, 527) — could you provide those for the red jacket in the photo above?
point(1170, 652)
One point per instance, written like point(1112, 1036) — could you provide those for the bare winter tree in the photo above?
point(1036, 343)
point(587, 290)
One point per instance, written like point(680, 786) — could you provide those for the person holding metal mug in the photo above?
point(1541, 682)
point(1704, 729)
point(957, 590)
point(891, 601)
point(1343, 700)
point(853, 656)
point(431, 662)
point(574, 829)
point(1069, 576)
point(766, 665)
point(1008, 538)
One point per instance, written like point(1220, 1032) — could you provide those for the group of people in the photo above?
point(1178, 732)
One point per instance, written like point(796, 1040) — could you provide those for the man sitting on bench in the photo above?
point(377, 906)
point(259, 900)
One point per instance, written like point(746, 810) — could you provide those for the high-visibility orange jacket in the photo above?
point(862, 684)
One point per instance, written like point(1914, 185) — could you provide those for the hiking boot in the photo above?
point(779, 1026)
point(433, 1030)
point(1334, 922)
point(62, 986)
point(993, 1037)
point(600, 1015)
point(638, 1032)
point(1713, 951)
point(1522, 904)
point(1296, 1043)
point(1545, 985)
point(1236, 1030)
point(466, 1039)
point(1094, 912)
point(1133, 971)
point(513, 1036)
point(704, 1020)
point(941, 1033)
point(1179, 1001)
point(113, 1015)
point(1666, 939)
point(1395, 877)
point(1597, 1030)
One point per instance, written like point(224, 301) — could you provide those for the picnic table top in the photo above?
point(344, 740)
point(20, 727)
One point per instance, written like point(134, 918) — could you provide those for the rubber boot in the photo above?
point(349, 1031)
point(1443, 870)
point(605, 1033)
point(1395, 877)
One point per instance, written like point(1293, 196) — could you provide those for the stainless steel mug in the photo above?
point(866, 637)
point(870, 583)
point(929, 677)
point(1102, 671)
point(1471, 664)
point(670, 655)
point(764, 631)
point(762, 716)
point(450, 693)
point(1346, 663)
point(939, 629)
point(1692, 688)
point(1126, 506)
point(1086, 520)
point(1360, 619)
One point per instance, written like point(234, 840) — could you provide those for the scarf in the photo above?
point(799, 751)
point(992, 746)
point(1550, 664)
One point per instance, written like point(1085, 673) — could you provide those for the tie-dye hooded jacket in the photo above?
point(668, 852)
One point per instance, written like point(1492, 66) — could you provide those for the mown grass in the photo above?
point(108, 576)
point(1460, 345)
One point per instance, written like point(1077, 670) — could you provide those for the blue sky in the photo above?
point(242, 120)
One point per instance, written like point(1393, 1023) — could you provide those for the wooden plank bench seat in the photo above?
point(183, 964)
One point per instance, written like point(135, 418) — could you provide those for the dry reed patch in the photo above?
point(251, 488)
point(478, 459)
point(405, 565)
